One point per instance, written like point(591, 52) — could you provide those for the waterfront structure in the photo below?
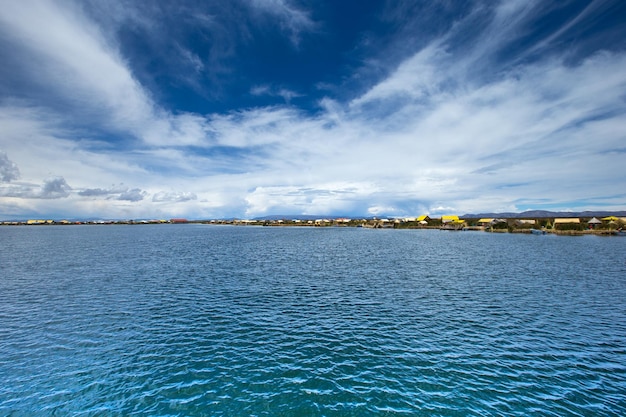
point(450, 219)
point(594, 222)
point(37, 221)
point(568, 223)
point(567, 220)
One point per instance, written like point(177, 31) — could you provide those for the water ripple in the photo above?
point(197, 320)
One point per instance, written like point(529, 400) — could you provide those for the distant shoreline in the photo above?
point(609, 226)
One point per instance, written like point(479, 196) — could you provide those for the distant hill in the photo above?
point(539, 214)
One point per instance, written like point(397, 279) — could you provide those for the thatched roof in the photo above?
point(448, 219)
point(566, 220)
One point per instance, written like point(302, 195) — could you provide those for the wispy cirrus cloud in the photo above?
point(81, 69)
point(265, 90)
point(71, 55)
point(293, 19)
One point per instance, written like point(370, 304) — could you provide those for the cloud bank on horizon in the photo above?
point(254, 107)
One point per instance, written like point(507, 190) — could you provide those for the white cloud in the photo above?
point(381, 210)
point(173, 196)
point(8, 169)
point(419, 77)
point(55, 188)
point(430, 137)
point(118, 192)
point(329, 198)
point(73, 56)
point(52, 188)
point(133, 195)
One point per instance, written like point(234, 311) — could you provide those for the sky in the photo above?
point(248, 108)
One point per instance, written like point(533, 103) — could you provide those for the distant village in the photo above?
point(610, 225)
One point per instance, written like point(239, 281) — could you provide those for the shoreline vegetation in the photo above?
point(571, 226)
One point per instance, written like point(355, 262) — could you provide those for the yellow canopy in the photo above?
point(449, 218)
point(610, 219)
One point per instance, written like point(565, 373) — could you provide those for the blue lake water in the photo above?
point(199, 320)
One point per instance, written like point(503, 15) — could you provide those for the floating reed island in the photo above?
point(565, 226)
point(573, 226)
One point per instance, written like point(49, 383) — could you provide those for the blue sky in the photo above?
point(245, 108)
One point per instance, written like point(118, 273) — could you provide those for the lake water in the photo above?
point(200, 320)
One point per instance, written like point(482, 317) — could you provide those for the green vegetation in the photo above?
point(570, 226)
